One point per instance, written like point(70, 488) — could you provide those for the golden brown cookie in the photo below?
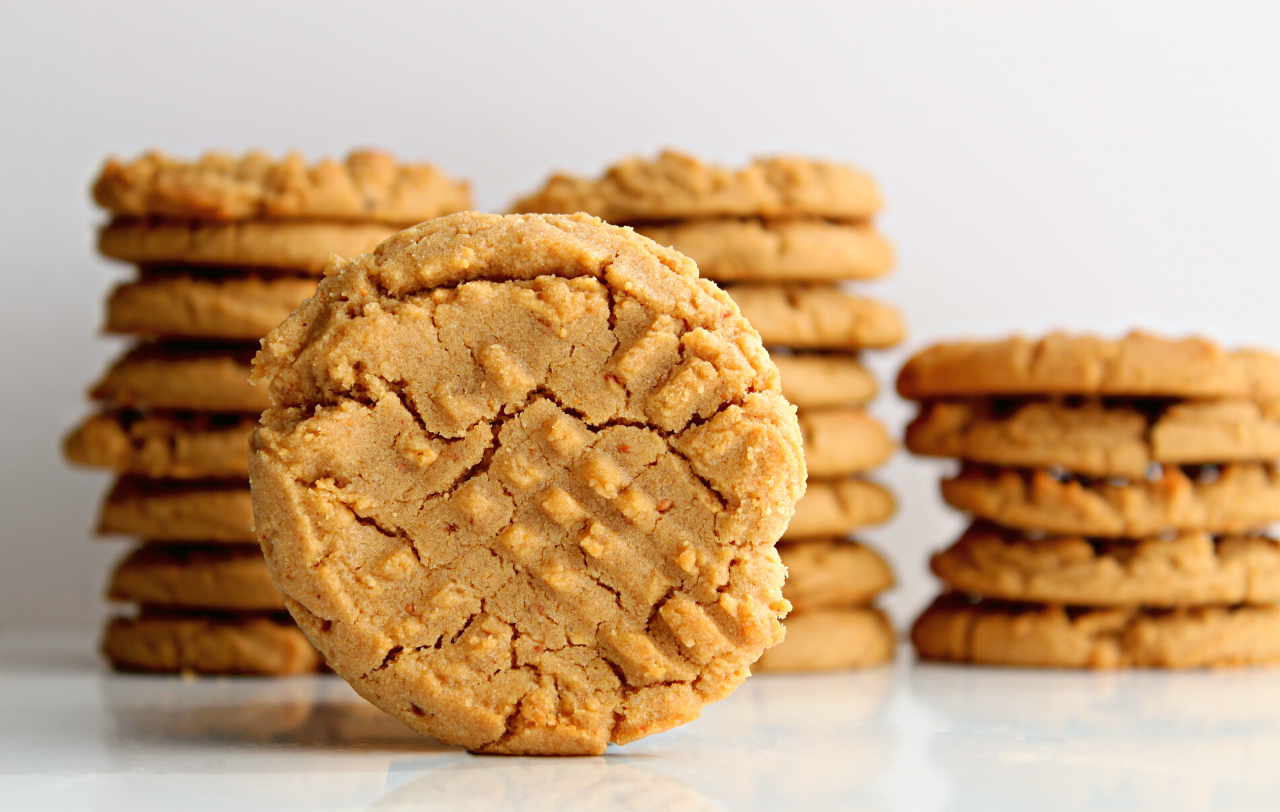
point(270, 245)
point(676, 186)
point(835, 507)
point(369, 186)
point(815, 317)
point(521, 481)
point(209, 643)
point(1095, 438)
point(842, 441)
point(832, 573)
point(227, 306)
point(164, 445)
point(752, 250)
point(192, 377)
point(817, 380)
point(1238, 499)
point(829, 640)
point(171, 511)
point(196, 576)
point(1189, 570)
point(1000, 633)
point(1138, 365)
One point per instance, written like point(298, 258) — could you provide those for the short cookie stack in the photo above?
point(1119, 490)
point(225, 249)
point(781, 235)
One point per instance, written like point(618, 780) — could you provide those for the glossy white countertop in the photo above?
point(73, 735)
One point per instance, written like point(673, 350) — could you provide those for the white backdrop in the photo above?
point(1087, 165)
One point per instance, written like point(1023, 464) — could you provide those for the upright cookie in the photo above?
point(164, 445)
point(521, 481)
point(818, 317)
point(227, 306)
point(181, 376)
point(834, 507)
point(171, 511)
point(831, 640)
point(196, 576)
point(209, 643)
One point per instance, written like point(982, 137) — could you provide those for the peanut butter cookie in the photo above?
point(831, 640)
point(175, 511)
point(829, 573)
point(818, 317)
point(196, 576)
point(816, 380)
point(180, 376)
point(226, 306)
point(834, 507)
point(209, 643)
point(164, 445)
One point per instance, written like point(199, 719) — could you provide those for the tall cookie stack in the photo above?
point(225, 248)
point(1119, 490)
point(782, 234)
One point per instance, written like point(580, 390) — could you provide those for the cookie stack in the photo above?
point(225, 248)
point(781, 235)
point(1119, 490)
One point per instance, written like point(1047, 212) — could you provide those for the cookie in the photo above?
point(835, 507)
point(816, 380)
point(832, 573)
point(999, 633)
point(676, 186)
point(751, 250)
point(272, 245)
point(193, 377)
point(1237, 499)
point(209, 643)
point(196, 576)
point(521, 481)
point(1189, 570)
point(1138, 365)
point(829, 640)
point(221, 307)
point(164, 445)
point(816, 317)
point(1096, 438)
point(368, 186)
point(172, 511)
point(843, 441)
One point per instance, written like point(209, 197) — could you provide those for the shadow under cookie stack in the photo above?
point(225, 248)
point(1119, 491)
point(781, 236)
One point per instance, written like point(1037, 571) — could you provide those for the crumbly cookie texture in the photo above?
point(1138, 365)
point(677, 186)
point(834, 507)
point(818, 317)
point(209, 643)
point(164, 445)
point(842, 441)
point(1188, 570)
point(1056, 637)
point(368, 186)
point(828, 573)
point(521, 481)
point(299, 246)
point(180, 376)
point(831, 640)
point(817, 380)
point(1239, 499)
point(224, 307)
point(1095, 438)
point(177, 511)
point(199, 576)
point(753, 250)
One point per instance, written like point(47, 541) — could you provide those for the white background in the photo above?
point(1091, 165)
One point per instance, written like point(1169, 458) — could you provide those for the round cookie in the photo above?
point(1191, 569)
point(676, 186)
point(1095, 438)
point(1138, 365)
point(818, 317)
point(521, 481)
point(209, 643)
point(368, 186)
point(172, 511)
point(835, 507)
point(812, 380)
point(1239, 499)
point(751, 250)
point(999, 633)
point(830, 640)
point(227, 306)
point(269, 245)
point(191, 377)
point(843, 441)
point(164, 445)
point(193, 576)
point(832, 573)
